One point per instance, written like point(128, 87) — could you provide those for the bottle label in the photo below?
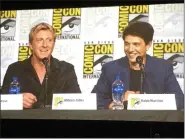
point(118, 89)
point(14, 90)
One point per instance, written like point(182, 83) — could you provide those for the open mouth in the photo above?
point(132, 55)
point(43, 51)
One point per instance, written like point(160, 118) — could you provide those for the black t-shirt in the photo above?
point(135, 80)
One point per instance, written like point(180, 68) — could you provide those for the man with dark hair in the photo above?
point(159, 76)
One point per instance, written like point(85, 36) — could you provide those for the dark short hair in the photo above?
point(143, 30)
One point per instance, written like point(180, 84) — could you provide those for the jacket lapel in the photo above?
point(150, 85)
point(125, 77)
point(124, 72)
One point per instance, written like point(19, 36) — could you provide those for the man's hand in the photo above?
point(124, 97)
point(28, 100)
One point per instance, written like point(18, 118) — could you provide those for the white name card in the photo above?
point(151, 102)
point(74, 101)
point(12, 102)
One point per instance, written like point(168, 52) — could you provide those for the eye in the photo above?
point(70, 27)
point(49, 40)
point(39, 40)
point(174, 20)
point(136, 44)
point(176, 60)
point(126, 44)
point(5, 29)
point(7, 25)
point(71, 24)
point(176, 64)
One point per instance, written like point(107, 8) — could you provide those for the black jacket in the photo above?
point(62, 79)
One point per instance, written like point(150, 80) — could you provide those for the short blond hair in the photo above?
point(41, 26)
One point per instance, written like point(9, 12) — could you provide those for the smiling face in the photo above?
point(42, 44)
point(135, 46)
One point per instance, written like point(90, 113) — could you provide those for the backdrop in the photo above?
point(90, 37)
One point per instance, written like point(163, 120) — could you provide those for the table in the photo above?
point(98, 123)
point(124, 115)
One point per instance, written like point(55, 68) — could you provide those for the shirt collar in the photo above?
point(54, 63)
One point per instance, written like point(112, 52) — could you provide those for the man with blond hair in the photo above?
point(32, 71)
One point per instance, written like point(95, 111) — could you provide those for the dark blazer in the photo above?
point(159, 78)
point(62, 79)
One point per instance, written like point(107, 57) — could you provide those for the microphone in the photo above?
point(45, 60)
point(139, 60)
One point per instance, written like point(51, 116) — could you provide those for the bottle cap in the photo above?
point(117, 77)
point(15, 78)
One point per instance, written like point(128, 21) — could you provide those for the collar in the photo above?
point(54, 63)
point(124, 62)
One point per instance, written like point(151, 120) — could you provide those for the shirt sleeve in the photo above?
point(103, 91)
point(172, 86)
point(71, 84)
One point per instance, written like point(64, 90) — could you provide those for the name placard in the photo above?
point(12, 102)
point(74, 101)
point(151, 102)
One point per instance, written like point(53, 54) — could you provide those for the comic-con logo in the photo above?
point(67, 23)
point(24, 52)
point(58, 100)
point(95, 55)
point(174, 53)
point(168, 20)
point(130, 14)
point(134, 102)
point(8, 25)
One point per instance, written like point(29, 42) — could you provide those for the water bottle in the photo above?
point(14, 86)
point(117, 92)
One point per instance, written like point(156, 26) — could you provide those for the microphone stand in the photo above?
point(46, 85)
point(142, 78)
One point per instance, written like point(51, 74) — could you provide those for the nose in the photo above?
point(131, 48)
point(44, 43)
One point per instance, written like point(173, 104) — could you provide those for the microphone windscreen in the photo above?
point(139, 59)
point(44, 60)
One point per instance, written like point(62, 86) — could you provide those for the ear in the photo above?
point(148, 45)
point(30, 45)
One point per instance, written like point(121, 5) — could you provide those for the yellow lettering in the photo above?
point(8, 14)
point(139, 9)
point(123, 18)
point(103, 49)
point(88, 59)
point(174, 47)
point(158, 50)
point(57, 21)
point(23, 53)
point(71, 12)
